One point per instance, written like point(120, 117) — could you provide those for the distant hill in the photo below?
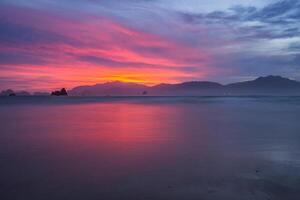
point(187, 88)
point(115, 88)
point(194, 85)
point(265, 85)
point(10, 92)
point(269, 85)
point(273, 82)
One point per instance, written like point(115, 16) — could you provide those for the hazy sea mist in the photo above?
point(142, 148)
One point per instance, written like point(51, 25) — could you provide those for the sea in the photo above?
point(150, 148)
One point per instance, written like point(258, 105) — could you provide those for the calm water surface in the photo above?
point(183, 148)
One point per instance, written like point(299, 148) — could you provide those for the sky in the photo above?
point(49, 44)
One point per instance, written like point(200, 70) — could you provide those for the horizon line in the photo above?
point(141, 83)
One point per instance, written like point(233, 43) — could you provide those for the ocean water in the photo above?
point(144, 148)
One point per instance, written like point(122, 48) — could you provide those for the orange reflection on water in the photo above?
point(108, 140)
point(116, 137)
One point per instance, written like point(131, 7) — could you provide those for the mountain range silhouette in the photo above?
point(268, 85)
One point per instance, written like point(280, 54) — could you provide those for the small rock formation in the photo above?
point(62, 92)
point(8, 92)
point(144, 93)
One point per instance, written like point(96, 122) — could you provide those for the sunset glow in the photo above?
point(149, 99)
point(93, 50)
point(48, 46)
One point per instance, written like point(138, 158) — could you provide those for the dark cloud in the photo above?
point(280, 56)
point(256, 65)
point(276, 20)
point(13, 33)
point(282, 8)
point(295, 46)
point(9, 58)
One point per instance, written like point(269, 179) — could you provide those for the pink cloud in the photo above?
point(114, 51)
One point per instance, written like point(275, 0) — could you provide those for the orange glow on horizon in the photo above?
point(102, 50)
